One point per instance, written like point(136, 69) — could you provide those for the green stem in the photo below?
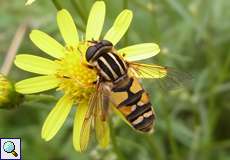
point(34, 105)
point(157, 152)
point(80, 11)
point(141, 5)
point(59, 7)
point(220, 145)
point(172, 142)
point(80, 27)
point(40, 97)
point(125, 6)
point(116, 148)
point(57, 4)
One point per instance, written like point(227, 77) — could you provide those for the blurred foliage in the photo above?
point(192, 122)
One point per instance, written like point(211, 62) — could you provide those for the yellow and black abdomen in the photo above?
point(133, 102)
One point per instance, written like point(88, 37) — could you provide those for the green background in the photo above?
point(193, 122)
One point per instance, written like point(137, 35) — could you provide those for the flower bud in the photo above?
point(8, 96)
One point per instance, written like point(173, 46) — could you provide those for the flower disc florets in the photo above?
point(76, 78)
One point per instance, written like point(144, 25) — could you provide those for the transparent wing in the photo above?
point(166, 77)
point(96, 113)
point(101, 123)
point(87, 123)
point(147, 70)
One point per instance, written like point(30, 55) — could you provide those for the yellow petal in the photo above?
point(36, 64)
point(56, 118)
point(47, 44)
point(67, 27)
point(29, 2)
point(102, 132)
point(80, 139)
point(139, 51)
point(95, 21)
point(36, 84)
point(119, 27)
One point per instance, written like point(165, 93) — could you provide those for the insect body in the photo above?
point(118, 83)
point(125, 91)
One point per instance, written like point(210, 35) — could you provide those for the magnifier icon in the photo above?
point(9, 147)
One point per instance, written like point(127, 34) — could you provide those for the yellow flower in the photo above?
point(68, 71)
point(5, 90)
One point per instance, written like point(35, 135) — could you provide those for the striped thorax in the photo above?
point(109, 64)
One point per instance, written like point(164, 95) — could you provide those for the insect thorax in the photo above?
point(109, 65)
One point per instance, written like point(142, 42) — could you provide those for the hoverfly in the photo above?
point(118, 83)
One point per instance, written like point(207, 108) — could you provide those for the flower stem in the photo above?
point(125, 6)
point(141, 6)
point(40, 97)
point(80, 11)
point(172, 141)
point(14, 46)
point(57, 4)
point(116, 148)
point(156, 151)
point(59, 7)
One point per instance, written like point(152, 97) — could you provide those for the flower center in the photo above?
point(76, 78)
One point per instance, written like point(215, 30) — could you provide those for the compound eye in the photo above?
point(106, 43)
point(90, 53)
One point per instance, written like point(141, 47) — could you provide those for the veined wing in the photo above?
point(87, 123)
point(166, 77)
point(147, 70)
point(97, 113)
point(101, 122)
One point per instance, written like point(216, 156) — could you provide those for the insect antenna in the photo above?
point(81, 54)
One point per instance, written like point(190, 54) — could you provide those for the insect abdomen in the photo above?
point(133, 102)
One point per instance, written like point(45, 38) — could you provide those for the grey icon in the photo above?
point(9, 147)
